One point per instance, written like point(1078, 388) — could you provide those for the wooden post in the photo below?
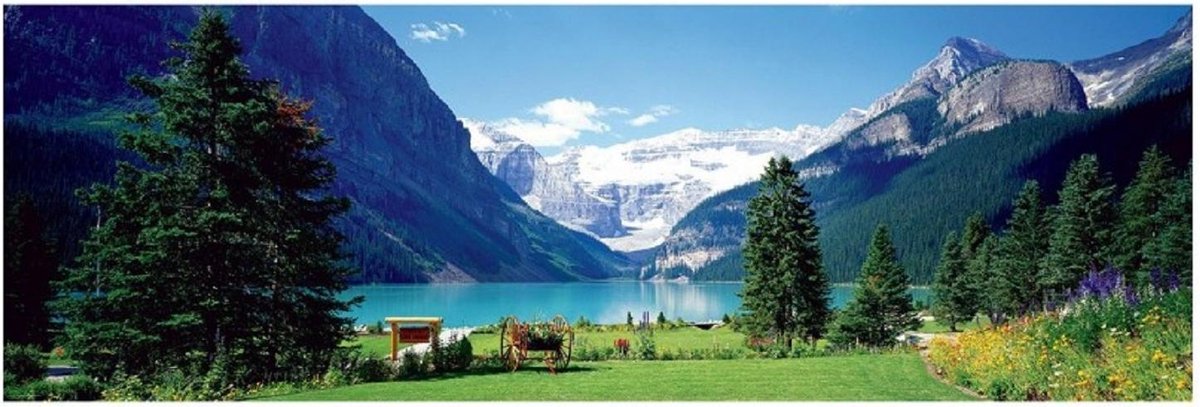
point(395, 339)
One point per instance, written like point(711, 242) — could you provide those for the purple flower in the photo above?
point(1164, 281)
point(1131, 296)
point(1101, 284)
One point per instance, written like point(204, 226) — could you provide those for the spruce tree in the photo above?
point(1137, 225)
point(1082, 225)
point(786, 292)
point(974, 233)
point(882, 308)
point(983, 270)
point(1014, 287)
point(29, 267)
point(1171, 250)
point(219, 257)
point(953, 300)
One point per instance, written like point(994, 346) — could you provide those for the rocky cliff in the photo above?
point(998, 94)
point(546, 188)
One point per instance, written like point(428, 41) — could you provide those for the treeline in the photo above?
point(1043, 252)
point(922, 200)
point(977, 173)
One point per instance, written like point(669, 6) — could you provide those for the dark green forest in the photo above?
point(922, 200)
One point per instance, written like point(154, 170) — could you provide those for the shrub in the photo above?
point(24, 363)
point(74, 388)
point(413, 365)
point(371, 370)
point(455, 356)
point(645, 345)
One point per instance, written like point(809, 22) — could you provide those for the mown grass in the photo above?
point(665, 340)
point(897, 377)
point(938, 327)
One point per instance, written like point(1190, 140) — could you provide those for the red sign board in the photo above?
point(414, 335)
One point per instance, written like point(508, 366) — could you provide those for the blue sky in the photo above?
point(564, 76)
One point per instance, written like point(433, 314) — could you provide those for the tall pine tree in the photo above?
point(983, 270)
point(953, 301)
point(219, 258)
point(786, 292)
point(1171, 250)
point(1082, 225)
point(29, 267)
point(881, 308)
point(1137, 225)
point(1013, 287)
point(974, 233)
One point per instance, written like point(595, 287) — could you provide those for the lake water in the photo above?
point(478, 304)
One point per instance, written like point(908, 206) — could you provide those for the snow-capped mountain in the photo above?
point(957, 58)
point(631, 194)
point(545, 187)
point(1109, 78)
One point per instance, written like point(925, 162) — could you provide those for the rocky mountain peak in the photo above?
point(958, 57)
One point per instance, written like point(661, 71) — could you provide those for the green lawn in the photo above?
point(665, 340)
point(937, 327)
point(862, 377)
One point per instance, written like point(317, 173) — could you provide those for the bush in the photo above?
point(413, 365)
point(455, 356)
point(645, 345)
point(74, 388)
point(371, 370)
point(23, 363)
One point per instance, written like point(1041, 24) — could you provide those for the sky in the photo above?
point(572, 75)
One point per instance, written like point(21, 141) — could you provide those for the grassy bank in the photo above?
point(861, 377)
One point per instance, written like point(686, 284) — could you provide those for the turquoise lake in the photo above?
point(607, 302)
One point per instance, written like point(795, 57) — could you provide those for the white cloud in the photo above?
point(439, 31)
point(643, 120)
point(560, 120)
point(652, 115)
point(538, 133)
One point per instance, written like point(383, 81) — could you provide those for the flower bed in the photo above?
point(1115, 346)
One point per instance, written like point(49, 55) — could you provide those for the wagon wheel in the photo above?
point(563, 358)
point(562, 355)
point(510, 352)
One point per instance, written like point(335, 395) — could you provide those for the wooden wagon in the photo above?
point(553, 340)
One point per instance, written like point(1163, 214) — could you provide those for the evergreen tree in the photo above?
point(786, 292)
point(220, 258)
point(882, 308)
point(29, 267)
point(1137, 225)
point(974, 233)
point(1171, 250)
point(983, 270)
point(1082, 225)
point(953, 301)
point(1013, 287)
